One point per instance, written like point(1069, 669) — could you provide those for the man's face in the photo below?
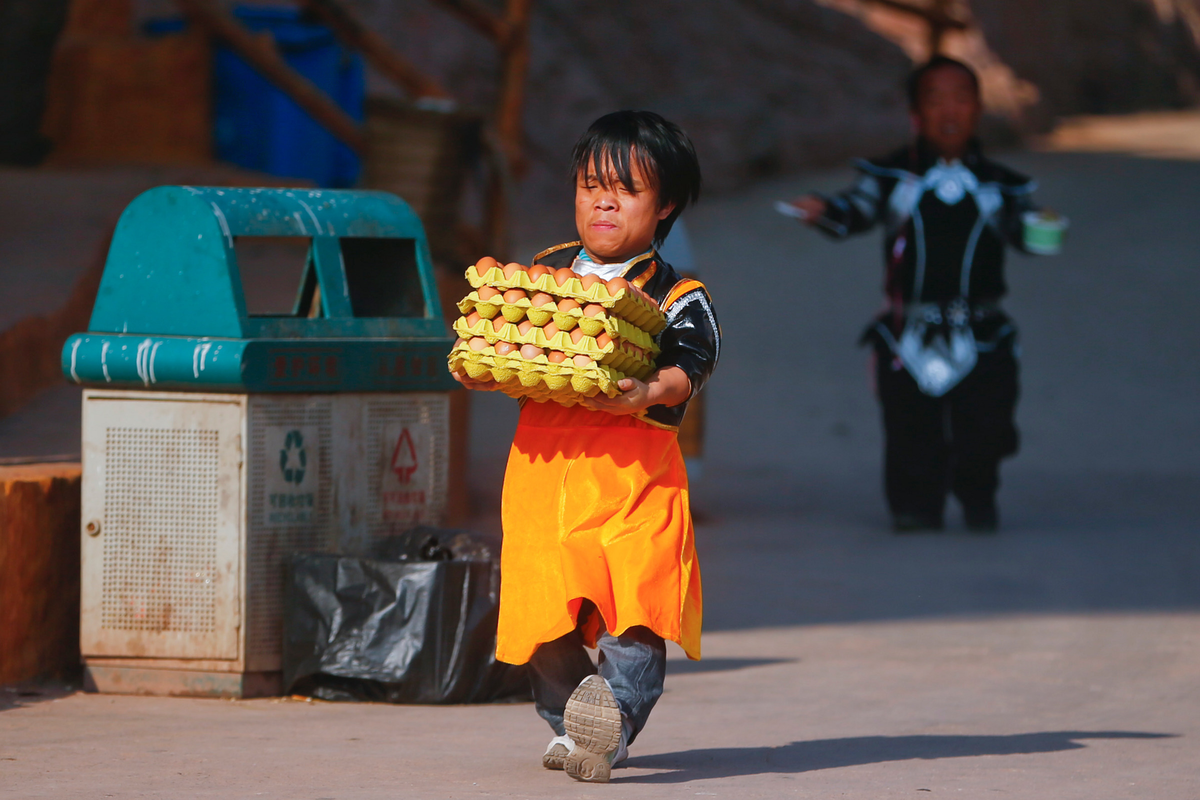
point(617, 223)
point(948, 110)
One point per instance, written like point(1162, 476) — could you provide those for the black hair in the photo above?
point(917, 76)
point(663, 152)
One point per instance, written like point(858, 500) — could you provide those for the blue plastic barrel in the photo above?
point(259, 127)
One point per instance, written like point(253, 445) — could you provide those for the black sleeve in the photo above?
point(1017, 201)
point(855, 210)
point(692, 338)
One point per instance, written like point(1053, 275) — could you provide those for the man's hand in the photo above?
point(811, 205)
point(669, 386)
point(479, 385)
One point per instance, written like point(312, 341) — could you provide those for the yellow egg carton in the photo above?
point(612, 353)
point(535, 378)
point(625, 303)
point(603, 322)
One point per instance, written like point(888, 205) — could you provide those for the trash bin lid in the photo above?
point(171, 310)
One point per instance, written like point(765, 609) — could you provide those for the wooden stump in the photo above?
point(39, 571)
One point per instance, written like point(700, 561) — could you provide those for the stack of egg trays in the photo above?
point(626, 318)
point(611, 355)
point(625, 304)
point(537, 378)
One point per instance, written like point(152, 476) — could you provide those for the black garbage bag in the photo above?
point(417, 625)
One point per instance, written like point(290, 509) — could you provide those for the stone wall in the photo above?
point(1099, 56)
point(762, 86)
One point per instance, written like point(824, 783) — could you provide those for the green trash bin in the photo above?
point(217, 443)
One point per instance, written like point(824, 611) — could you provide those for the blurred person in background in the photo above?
point(945, 351)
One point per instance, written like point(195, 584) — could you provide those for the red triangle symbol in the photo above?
point(404, 457)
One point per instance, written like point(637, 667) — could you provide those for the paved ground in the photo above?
point(1060, 659)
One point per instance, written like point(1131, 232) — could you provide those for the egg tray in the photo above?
point(536, 378)
point(625, 303)
point(611, 354)
point(567, 321)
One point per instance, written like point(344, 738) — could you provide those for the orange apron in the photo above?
point(595, 507)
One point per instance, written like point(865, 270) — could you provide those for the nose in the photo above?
point(606, 201)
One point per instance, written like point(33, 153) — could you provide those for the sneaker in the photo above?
point(557, 751)
point(593, 721)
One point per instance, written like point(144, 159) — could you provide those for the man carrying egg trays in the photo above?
point(552, 334)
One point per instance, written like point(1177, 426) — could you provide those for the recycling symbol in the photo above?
point(293, 458)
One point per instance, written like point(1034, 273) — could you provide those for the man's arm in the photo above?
point(1016, 205)
point(668, 386)
point(691, 345)
point(842, 215)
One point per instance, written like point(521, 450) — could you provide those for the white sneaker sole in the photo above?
point(555, 757)
point(593, 721)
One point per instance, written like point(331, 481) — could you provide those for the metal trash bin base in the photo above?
point(161, 681)
point(193, 504)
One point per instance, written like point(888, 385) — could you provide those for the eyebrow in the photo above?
point(613, 178)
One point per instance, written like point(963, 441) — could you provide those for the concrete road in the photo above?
point(1059, 659)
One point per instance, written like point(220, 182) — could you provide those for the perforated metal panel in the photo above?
point(161, 493)
point(291, 465)
point(160, 530)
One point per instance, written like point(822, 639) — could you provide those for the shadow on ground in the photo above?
point(685, 667)
point(27, 693)
point(729, 762)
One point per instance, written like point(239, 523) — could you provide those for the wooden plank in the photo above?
point(480, 18)
point(263, 55)
point(515, 50)
point(39, 570)
point(355, 35)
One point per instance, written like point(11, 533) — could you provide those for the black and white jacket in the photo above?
point(946, 226)
point(692, 338)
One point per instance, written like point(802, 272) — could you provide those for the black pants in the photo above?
point(949, 443)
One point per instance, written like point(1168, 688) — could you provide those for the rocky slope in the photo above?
point(1099, 56)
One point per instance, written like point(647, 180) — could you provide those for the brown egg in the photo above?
point(561, 276)
point(604, 340)
point(478, 343)
point(540, 299)
point(514, 295)
point(550, 329)
point(557, 357)
point(458, 342)
point(473, 319)
point(582, 361)
point(511, 270)
point(531, 351)
point(592, 309)
point(567, 304)
point(498, 324)
point(538, 270)
point(485, 263)
point(616, 284)
point(577, 335)
point(488, 292)
point(525, 327)
point(589, 281)
point(504, 348)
